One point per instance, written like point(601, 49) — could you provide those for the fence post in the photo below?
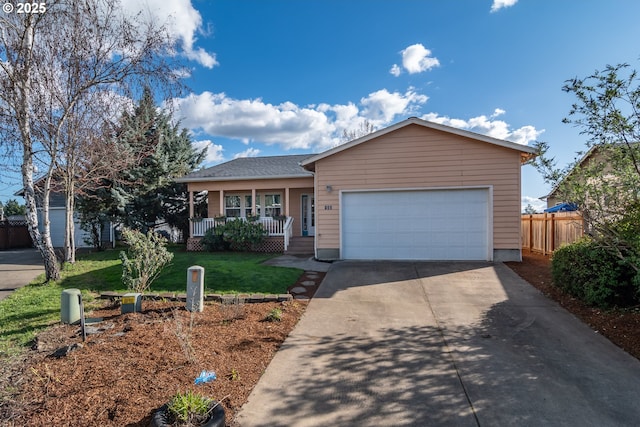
point(545, 233)
point(553, 233)
point(530, 233)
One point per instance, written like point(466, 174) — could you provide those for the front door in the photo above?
point(308, 215)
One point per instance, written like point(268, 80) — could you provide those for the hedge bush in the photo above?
point(213, 240)
point(591, 273)
point(237, 235)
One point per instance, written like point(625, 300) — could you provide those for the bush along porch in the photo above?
point(241, 234)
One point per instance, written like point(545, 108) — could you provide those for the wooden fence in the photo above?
point(546, 232)
point(14, 235)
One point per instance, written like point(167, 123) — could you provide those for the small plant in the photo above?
point(183, 334)
point(232, 309)
point(144, 259)
point(275, 315)
point(234, 375)
point(190, 408)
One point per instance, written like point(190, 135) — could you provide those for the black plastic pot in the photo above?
point(162, 418)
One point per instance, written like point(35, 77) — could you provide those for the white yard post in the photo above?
point(195, 288)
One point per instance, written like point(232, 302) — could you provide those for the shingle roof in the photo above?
point(253, 168)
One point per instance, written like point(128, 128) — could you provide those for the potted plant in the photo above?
point(189, 409)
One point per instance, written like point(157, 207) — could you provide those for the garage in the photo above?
point(447, 224)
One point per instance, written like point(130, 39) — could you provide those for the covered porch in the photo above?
point(285, 208)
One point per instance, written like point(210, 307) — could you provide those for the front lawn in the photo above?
point(34, 307)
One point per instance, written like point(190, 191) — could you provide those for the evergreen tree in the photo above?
point(12, 207)
point(162, 151)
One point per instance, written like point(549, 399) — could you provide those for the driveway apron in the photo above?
point(18, 268)
point(441, 344)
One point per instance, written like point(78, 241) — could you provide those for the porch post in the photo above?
point(190, 212)
point(253, 202)
point(286, 201)
point(222, 212)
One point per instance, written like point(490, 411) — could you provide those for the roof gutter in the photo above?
point(241, 178)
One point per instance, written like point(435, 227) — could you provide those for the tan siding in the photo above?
point(417, 157)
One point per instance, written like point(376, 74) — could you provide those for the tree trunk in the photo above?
point(42, 241)
point(69, 235)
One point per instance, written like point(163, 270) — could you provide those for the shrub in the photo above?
point(244, 235)
point(236, 234)
point(144, 259)
point(589, 272)
point(213, 240)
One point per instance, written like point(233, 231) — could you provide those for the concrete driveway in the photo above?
point(441, 344)
point(17, 268)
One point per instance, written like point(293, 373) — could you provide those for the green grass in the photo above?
point(36, 306)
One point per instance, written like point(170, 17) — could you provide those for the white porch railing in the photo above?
point(274, 227)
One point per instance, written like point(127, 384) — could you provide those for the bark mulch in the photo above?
point(132, 364)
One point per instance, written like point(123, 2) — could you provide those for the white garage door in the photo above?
point(416, 225)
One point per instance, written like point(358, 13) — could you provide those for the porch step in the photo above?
point(300, 246)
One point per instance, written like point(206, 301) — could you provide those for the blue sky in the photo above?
point(287, 77)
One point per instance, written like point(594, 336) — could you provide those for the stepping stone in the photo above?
point(301, 297)
point(308, 283)
point(298, 290)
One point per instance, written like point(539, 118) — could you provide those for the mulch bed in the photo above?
point(135, 362)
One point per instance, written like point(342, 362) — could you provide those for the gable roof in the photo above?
point(526, 151)
point(270, 167)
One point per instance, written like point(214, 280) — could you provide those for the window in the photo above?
point(248, 206)
point(272, 206)
point(232, 206)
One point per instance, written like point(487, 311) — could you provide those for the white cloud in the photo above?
point(249, 152)
point(291, 126)
point(183, 22)
point(536, 203)
point(382, 106)
point(214, 151)
point(498, 112)
point(499, 4)
point(416, 59)
point(318, 127)
point(486, 126)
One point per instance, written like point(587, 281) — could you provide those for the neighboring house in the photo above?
point(413, 191)
point(57, 222)
point(596, 158)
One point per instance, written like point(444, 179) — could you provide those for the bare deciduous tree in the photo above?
point(53, 66)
